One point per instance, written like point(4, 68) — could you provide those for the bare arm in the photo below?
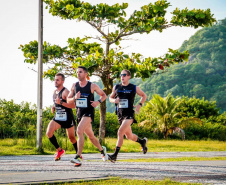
point(53, 107)
point(100, 92)
point(64, 96)
point(71, 98)
point(112, 96)
point(142, 100)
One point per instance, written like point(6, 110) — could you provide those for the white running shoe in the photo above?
point(77, 160)
point(104, 156)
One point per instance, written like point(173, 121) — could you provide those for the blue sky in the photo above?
point(19, 25)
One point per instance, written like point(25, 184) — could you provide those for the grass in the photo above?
point(171, 145)
point(27, 146)
point(174, 159)
point(117, 181)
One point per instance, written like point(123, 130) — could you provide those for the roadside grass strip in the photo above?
point(174, 159)
point(28, 146)
point(120, 181)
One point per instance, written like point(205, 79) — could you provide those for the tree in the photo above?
point(107, 62)
point(164, 112)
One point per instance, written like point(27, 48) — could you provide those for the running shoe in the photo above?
point(144, 145)
point(112, 158)
point(74, 159)
point(104, 156)
point(77, 160)
point(59, 154)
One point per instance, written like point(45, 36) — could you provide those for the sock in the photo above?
point(54, 141)
point(77, 156)
point(116, 151)
point(140, 140)
point(75, 146)
point(102, 152)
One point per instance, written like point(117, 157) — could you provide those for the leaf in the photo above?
point(202, 15)
point(197, 16)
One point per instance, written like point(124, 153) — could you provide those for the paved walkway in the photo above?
point(41, 168)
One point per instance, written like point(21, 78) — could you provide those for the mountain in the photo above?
point(204, 75)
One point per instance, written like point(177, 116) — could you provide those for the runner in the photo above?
point(82, 93)
point(123, 96)
point(63, 118)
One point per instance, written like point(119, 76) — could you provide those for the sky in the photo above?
point(19, 25)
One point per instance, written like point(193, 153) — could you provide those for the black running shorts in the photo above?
point(125, 114)
point(84, 113)
point(66, 124)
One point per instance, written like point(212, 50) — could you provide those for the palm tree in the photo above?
point(164, 111)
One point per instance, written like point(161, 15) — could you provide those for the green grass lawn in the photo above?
point(27, 146)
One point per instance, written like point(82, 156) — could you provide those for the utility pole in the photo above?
point(40, 74)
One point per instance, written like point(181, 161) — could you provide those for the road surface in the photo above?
point(43, 169)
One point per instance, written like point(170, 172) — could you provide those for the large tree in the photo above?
point(107, 62)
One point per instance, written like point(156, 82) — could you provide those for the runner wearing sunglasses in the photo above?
point(123, 96)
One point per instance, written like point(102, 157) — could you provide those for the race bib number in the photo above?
point(61, 116)
point(123, 103)
point(81, 102)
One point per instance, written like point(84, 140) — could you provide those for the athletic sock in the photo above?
point(141, 141)
point(102, 152)
point(54, 141)
point(75, 146)
point(116, 151)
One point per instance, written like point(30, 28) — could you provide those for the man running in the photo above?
point(63, 118)
point(123, 96)
point(82, 93)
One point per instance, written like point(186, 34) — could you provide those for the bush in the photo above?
point(19, 121)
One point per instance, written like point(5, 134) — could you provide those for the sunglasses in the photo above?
point(123, 75)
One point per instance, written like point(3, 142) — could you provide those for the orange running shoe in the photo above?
point(59, 154)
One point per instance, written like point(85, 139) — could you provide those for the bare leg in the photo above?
point(52, 127)
point(80, 133)
point(71, 134)
point(92, 138)
point(123, 129)
point(130, 135)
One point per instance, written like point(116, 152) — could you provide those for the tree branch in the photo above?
point(136, 31)
point(98, 38)
point(98, 29)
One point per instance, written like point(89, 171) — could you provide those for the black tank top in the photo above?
point(126, 95)
point(60, 109)
point(86, 96)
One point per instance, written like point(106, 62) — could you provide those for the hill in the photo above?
point(204, 75)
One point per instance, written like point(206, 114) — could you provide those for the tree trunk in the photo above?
point(108, 85)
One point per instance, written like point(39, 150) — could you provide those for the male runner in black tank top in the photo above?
point(123, 96)
point(82, 94)
point(63, 116)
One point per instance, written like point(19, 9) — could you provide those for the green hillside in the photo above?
point(204, 75)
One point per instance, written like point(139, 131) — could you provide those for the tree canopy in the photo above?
point(106, 62)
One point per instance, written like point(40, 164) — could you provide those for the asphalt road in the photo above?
point(43, 169)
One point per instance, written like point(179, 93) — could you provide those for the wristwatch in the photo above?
point(99, 100)
point(140, 104)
